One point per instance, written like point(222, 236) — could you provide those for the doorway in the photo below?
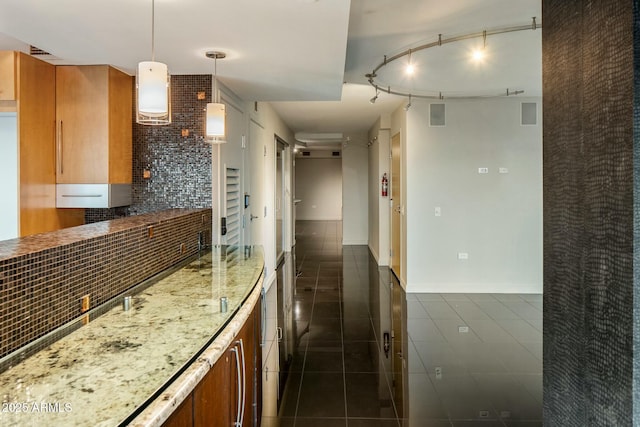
point(396, 207)
point(255, 200)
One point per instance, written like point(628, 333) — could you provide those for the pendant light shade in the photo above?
point(154, 93)
point(215, 119)
point(216, 111)
point(153, 87)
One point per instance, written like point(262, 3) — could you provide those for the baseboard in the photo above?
point(375, 255)
point(474, 288)
point(355, 242)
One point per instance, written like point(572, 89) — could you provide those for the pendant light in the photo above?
point(153, 88)
point(216, 113)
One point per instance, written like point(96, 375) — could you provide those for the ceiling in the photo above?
point(308, 57)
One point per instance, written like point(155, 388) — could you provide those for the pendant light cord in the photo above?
point(153, 30)
point(215, 80)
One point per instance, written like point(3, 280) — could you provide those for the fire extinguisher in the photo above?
point(385, 185)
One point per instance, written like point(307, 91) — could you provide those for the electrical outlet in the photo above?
point(505, 414)
point(150, 231)
point(438, 372)
point(437, 211)
point(483, 170)
point(463, 329)
point(183, 248)
point(463, 255)
point(503, 170)
point(483, 414)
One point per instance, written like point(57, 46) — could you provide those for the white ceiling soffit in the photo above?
point(277, 50)
point(353, 113)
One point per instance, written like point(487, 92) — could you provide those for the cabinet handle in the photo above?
point(244, 382)
point(279, 333)
point(238, 423)
point(60, 149)
point(263, 323)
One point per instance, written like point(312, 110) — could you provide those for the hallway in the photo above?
point(452, 360)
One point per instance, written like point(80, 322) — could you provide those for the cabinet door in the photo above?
point(183, 416)
point(212, 407)
point(82, 124)
point(248, 336)
point(7, 75)
point(120, 127)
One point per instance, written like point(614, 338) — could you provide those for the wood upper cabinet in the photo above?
point(93, 125)
point(27, 89)
point(8, 71)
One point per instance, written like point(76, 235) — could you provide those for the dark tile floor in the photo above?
point(453, 359)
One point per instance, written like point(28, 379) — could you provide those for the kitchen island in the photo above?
point(134, 363)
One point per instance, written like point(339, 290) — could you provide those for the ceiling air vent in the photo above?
point(35, 51)
point(306, 153)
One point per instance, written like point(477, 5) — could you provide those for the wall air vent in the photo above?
point(335, 154)
point(437, 115)
point(529, 114)
point(306, 153)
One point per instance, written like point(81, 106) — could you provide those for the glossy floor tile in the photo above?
point(366, 354)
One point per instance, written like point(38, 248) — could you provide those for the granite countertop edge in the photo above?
point(158, 411)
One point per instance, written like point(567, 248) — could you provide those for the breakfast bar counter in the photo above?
point(134, 363)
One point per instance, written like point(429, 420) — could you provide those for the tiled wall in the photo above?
point(180, 166)
point(41, 289)
point(589, 192)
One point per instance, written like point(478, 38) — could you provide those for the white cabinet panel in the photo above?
point(9, 176)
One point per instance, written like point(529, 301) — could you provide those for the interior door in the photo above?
point(256, 202)
point(280, 198)
point(399, 346)
point(396, 206)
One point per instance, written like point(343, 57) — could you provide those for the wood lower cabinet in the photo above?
point(213, 408)
point(231, 389)
point(183, 416)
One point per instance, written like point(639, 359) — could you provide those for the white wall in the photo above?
point(319, 187)
point(378, 206)
point(496, 218)
point(271, 125)
point(9, 226)
point(355, 171)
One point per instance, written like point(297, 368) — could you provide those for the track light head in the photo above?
point(374, 99)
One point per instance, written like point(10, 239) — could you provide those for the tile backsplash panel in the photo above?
point(44, 277)
point(179, 166)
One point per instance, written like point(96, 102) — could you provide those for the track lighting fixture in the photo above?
point(406, 107)
point(478, 55)
point(375, 98)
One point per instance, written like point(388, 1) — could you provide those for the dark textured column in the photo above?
point(636, 213)
point(588, 99)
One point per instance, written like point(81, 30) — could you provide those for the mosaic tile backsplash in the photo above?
point(44, 277)
point(179, 167)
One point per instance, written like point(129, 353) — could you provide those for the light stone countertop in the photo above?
point(105, 372)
